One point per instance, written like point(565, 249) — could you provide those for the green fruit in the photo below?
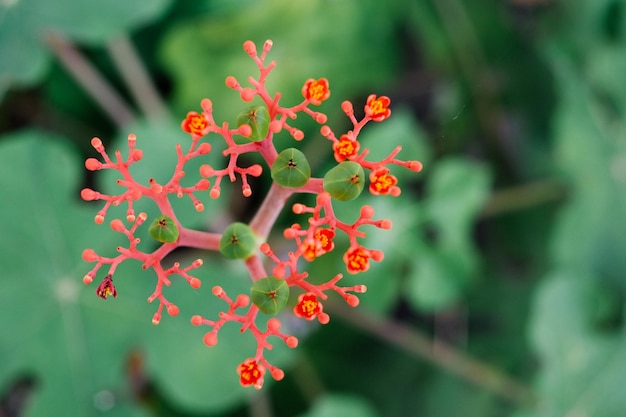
point(291, 169)
point(238, 241)
point(258, 118)
point(270, 294)
point(164, 229)
point(345, 181)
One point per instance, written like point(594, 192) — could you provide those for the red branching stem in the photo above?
point(272, 205)
point(255, 267)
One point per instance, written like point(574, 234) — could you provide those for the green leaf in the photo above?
point(448, 263)
point(572, 350)
point(456, 190)
point(24, 23)
point(59, 330)
point(337, 405)
point(338, 44)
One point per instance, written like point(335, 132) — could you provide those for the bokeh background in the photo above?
point(502, 289)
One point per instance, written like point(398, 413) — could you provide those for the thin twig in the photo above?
point(90, 79)
point(524, 196)
point(137, 79)
point(437, 352)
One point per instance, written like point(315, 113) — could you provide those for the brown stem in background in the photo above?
point(90, 79)
point(137, 79)
point(437, 352)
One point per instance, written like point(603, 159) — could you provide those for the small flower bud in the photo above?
point(90, 255)
point(97, 144)
point(247, 94)
point(117, 225)
point(298, 208)
point(172, 310)
point(136, 155)
point(92, 164)
point(217, 291)
point(352, 300)
point(195, 283)
point(156, 319)
point(323, 318)
point(291, 342)
point(210, 339)
point(197, 320)
point(204, 148)
point(255, 170)
point(207, 105)
point(88, 194)
point(277, 374)
point(276, 126)
point(273, 324)
point(231, 82)
point(250, 48)
point(347, 108)
point(242, 300)
point(367, 212)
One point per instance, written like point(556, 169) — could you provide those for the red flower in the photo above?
point(357, 259)
point(195, 124)
point(345, 148)
point(321, 243)
point(106, 288)
point(251, 373)
point(316, 91)
point(308, 307)
point(377, 109)
point(381, 182)
point(325, 238)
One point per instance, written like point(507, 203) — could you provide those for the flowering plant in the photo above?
point(291, 174)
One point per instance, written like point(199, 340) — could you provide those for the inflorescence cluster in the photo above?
point(291, 174)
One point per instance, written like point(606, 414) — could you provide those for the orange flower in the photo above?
point(195, 124)
point(106, 288)
point(377, 109)
point(381, 182)
point(251, 373)
point(321, 243)
point(357, 259)
point(308, 306)
point(316, 91)
point(345, 148)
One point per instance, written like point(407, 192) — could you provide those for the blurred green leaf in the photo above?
point(56, 330)
point(582, 368)
point(75, 344)
point(311, 39)
point(25, 23)
point(338, 405)
point(448, 262)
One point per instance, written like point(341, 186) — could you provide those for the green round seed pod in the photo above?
point(270, 295)
point(163, 229)
point(258, 118)
point(291, 169)
point(238, 241)
point(345, 181)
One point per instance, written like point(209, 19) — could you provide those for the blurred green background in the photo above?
point(502, 288)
